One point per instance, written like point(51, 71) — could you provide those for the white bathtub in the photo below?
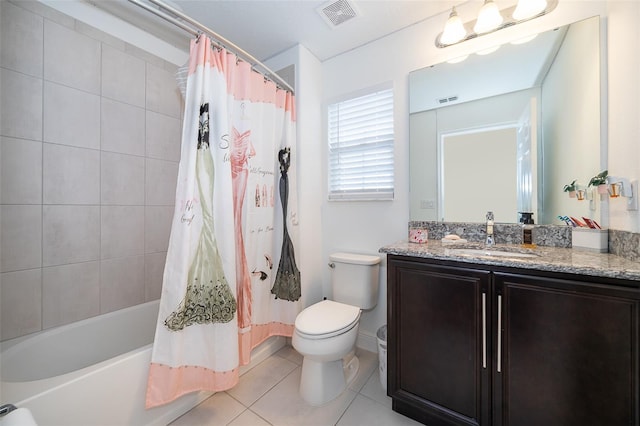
point(94, 372)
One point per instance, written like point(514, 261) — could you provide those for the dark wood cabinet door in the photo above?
point(438, 342)
point(568, 353)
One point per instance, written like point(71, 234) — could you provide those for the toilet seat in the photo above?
point(326, 319)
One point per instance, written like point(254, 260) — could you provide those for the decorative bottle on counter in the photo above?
point(527, 228)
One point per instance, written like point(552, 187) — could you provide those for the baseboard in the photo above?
point(367, 341)
point(264, 351)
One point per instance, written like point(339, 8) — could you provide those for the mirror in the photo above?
point(507, 130)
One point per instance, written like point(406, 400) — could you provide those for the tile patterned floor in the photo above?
point(268, 395)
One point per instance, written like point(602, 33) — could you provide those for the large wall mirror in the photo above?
point(506, 130)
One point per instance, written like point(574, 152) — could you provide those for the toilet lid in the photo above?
point(326, 317)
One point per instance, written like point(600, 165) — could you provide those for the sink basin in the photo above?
point(492, 253)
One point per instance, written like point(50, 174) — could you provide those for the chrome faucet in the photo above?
point(490, 241)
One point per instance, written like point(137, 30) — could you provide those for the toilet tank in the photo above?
point(355, 279)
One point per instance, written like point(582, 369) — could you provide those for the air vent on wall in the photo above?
point(447, 100)
point(337, 12)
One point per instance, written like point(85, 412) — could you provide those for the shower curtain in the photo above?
point(231, 279)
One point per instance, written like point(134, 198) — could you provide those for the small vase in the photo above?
point(602, 189)
point(614, 190)
point(572, 194)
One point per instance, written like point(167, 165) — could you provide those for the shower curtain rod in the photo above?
point(195, 28)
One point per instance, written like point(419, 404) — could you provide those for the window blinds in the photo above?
point(360, 133)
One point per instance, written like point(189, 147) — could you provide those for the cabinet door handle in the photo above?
point(499, 333)
point(484, 330)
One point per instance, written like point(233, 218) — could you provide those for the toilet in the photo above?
point(325, 333)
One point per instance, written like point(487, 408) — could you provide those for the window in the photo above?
point(361, 147)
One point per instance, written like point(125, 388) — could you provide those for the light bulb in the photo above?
point(489, 18)
point(528, 9)
point(454, 30)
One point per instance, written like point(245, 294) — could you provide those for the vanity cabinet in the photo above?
point(472, 344)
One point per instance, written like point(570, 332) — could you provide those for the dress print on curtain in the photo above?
point(216, 303)
point(209, 298)
point(287, 285)
point(241, 151)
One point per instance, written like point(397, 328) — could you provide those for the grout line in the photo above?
point(42, 229)
point(278, 354)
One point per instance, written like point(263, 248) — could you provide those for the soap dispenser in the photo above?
point(527, 228)
point(490, 241)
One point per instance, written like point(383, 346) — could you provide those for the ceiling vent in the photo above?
point(337, 12)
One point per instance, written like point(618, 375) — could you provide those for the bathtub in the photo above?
point(94, 372)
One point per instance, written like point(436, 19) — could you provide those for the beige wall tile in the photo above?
point(71, 58)
point(153, 274)
point(70, 293)
point(159, 99)
point(157, 224)
point(122, 179)
point(20, 171)
point(71, 116)
point(123, 77)
point(160, 182)
point(21, 105)
point(21, 37)
point(121, 283)
point(20, 306)
point(70, 234)
point(122, 231)
point(122, 128)
point(20, 237)
point(71, 175)
point(163, 136)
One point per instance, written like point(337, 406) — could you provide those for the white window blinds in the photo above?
point(361, 147)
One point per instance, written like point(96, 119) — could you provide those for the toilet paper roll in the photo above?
point(19, 417)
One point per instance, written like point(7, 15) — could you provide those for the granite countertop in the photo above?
point(555, 259)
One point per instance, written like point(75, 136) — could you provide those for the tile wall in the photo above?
point(89, 151)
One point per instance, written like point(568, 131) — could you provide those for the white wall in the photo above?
point(367, 226)
point(310, 173)
point(624, 103)
point(571, 143)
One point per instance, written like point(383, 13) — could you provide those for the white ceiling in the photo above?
point(265, 28)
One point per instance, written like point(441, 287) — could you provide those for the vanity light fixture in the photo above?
point(491, 19)
point(454, 30)
point(526, 9)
